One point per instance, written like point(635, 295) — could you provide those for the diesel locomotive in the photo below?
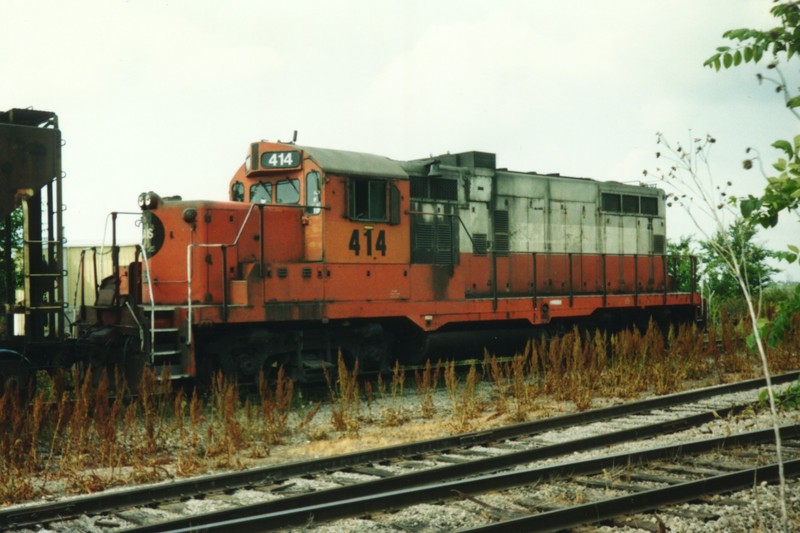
point(322, 251)
point(318, 252)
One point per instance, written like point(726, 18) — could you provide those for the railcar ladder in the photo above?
point(44, 304)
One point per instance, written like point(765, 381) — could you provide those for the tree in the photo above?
point(15, 220)
point(680, 269)
point(782, 191)
point(689, 173)
point(720, 283)
point(10, 240)
point(753, 267)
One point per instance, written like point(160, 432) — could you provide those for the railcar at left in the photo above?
point(36, 332)
point(31, 180)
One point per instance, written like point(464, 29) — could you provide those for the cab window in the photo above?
point(237, 191)
point(368, 199)
point(287, 191)
point(313, 193)
point(261, 193)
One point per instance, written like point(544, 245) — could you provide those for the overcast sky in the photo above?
point(166, 95)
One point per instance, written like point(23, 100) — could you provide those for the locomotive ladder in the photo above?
point(164, 349)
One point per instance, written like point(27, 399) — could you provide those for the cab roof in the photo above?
point(355, 163)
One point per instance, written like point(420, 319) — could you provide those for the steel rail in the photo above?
point(19, 516)
point(648, 500)
point(474, 485)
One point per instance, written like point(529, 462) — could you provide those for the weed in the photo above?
point(74, 429)
point(426, 383)
point(523, 394)
point(394, 416)
point(787, 400)
point(398, 380)
point(310, 416)
point(275, 406)
point(381, 386)
point(501, 376)
point(344, 396)
point(465, 404)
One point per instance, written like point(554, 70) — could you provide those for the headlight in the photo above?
point(148, 200)
point(151, 200)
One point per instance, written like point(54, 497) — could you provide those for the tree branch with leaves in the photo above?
point(782, 190)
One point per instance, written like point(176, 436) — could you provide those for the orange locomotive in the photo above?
point(320, 251)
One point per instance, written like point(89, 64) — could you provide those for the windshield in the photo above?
point(261, 193)
point(287, 191)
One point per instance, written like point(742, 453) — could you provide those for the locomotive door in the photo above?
point(312, 218)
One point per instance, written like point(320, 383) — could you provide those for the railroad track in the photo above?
point(384, 477)
point(304, 512)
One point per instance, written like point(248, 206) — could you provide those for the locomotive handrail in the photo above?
point(656, 285)
point(224, 273)
point(138, 324)
point(293, 206)
point(146, 262)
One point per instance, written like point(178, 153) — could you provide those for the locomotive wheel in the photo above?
point(412, 348)
point(15, 372)
point(209, 365)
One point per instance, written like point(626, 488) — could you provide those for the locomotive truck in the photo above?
point(318, 252)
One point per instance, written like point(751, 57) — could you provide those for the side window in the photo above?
point(237, 191)
point(611, 203)
point(261, 193)
point(287, 191)
point(313, 193)
point(434, 188)
point(630, 203)
point(368, 200)
point(649, 205)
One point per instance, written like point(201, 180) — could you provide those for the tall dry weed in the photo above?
point(500, 374)
point(344, 396)
point(17, 464)
point(427, 382)
point(275, 406)
point(463, 398)
point(224, 432)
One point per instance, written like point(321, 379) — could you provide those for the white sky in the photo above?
point(166, 95)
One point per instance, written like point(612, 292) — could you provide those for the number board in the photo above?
point(286, 159)
point(372, 241)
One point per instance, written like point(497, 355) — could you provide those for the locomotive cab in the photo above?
point(255, 271)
